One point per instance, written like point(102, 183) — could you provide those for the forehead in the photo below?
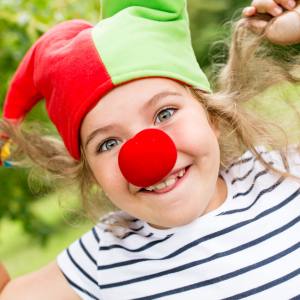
point(133, 95)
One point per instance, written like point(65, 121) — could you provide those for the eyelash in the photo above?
point(98, 150)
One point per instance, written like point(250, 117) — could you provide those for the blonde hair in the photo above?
point(253, 66)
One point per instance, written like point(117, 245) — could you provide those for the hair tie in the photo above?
point(5, 146)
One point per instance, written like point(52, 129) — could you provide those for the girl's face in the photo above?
point(166, 105)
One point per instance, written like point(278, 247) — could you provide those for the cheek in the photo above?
point(195, 136)
point(108, 175)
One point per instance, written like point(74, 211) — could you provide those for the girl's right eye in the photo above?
point(107, 145)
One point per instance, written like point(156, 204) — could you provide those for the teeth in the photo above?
point(181, 173)
point(150, 188)
point(165, 183)
point(160, 186)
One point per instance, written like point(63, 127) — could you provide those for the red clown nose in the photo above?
point(147, 158)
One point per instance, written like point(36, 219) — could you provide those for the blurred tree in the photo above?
point(23, 21)
point(19, 29)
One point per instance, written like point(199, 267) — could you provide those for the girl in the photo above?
point(194, 220)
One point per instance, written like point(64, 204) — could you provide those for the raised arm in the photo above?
point(4, 277)
point(47, 284)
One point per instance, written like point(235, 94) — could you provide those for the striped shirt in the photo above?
point(247, 247)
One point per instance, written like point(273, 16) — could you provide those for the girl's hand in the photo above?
point(279, 20)
point(4, 277)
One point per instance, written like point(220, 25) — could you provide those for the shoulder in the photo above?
point(285, 160)
point(247, 162)
point(113, 226)
point(80, 262)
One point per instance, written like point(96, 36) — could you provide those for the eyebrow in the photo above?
point(151, 102)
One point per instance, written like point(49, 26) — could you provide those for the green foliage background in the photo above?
point(23, 21)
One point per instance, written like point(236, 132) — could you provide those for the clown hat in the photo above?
point(75, 63)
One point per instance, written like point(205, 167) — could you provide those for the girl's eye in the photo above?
point(165, 114)
point(108, 145)
point(162, 116)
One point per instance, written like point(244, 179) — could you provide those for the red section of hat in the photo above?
point(148, 157)
point(65, 68)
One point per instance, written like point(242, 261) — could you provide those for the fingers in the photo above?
point(287, 4)
point(272, 7)
point(249, 11)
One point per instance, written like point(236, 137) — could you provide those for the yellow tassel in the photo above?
point(5, 151)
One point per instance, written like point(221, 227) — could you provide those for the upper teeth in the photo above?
point(168, 182)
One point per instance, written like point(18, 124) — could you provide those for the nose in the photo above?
point(148, 157)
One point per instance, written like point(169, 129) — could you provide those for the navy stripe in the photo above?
point(147, 246)
point(96, 235)
point(72, 283)
point(266, 286)
point(87, 252)
point(209, 236)
point(239, 162)
point(233, 181)
point(208, 259)
point(261, 193)
point(80, 269)
point(295, 298)
point(131, 233)
point(234, 274)
point(127, 235)
point(248, 173)
point(264, 172)
point(245, 160)
point(137, 229)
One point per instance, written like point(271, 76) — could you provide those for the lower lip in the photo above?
point(170, 188)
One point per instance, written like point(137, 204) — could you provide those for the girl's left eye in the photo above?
point(165, 114)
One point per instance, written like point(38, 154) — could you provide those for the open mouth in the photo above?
point(169, 184)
